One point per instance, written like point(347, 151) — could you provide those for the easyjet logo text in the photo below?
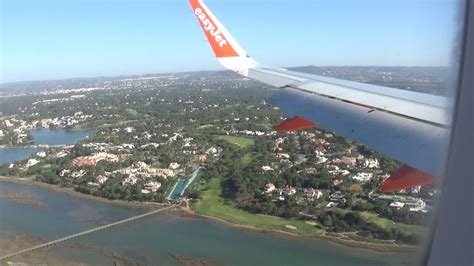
point(209, 26)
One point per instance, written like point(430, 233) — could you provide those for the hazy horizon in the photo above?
point(197, 71)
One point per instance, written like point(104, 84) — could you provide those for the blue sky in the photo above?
point(56, 39)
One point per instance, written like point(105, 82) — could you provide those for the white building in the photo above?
point(93, 184)
point(288, 191)
point(312, 193)
point(337, 197)
point(152, 186)
point(319, 153)
point(31, 162)
point(398, 202)
point(211, 150)
point(270, 187)
point(60, 154)
point(371, 163)
point(64, 172)
point(415, 205)
point(363, 177)
point(131, 180)
point(283, 156)
point(155, 145)
point(321, 159)
point(267, 168)
point(127, 146)
point(174, 166)
point(101, 179)
point(78, 174)
point(41, 154)
point(8, 123)
point(397, 205)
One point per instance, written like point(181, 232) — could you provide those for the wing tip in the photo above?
point(225, 48)
point(214, 31)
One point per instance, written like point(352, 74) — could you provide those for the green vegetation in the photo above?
point(132, 113)
point(213, 204)
point(354, 222)
point(78, 127)
point(417, 230)
point(248, 157)
point(239, 141)
point(236, 181)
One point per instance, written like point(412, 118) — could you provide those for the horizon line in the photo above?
point(196, 71)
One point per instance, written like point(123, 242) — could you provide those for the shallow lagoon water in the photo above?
point(42, 136)
point(153, 239)
point(9, 155)
point(58, 137)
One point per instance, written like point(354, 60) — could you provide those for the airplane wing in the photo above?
point(408, 126)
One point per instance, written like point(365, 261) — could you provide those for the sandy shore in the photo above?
point(70, 191)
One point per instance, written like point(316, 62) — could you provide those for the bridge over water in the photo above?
point(90, 231)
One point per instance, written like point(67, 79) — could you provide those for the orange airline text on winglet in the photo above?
point(216, 38)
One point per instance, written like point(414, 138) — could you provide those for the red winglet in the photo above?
point(295, 123)
point(406, 177)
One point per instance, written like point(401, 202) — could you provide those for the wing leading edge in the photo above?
point(408, 126)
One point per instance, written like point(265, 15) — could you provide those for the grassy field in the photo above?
point(247, 158)
point(239, 141)
point(386, 224)
point(213, 204)
point(205, 126)
point(132, 112)
point(78, 127)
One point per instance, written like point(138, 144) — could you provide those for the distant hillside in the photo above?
point(72, 83)
point(433, 80)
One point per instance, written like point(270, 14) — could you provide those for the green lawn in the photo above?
point(132, 112)
point(239, 141)
point(78, 127)
point(205, 126)
point(386, 224)
point(213, 204)
point(248, 157)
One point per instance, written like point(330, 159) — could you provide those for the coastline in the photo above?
point(188, 212)
point(26, 145)
point(379, 247)
point(70, 191)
